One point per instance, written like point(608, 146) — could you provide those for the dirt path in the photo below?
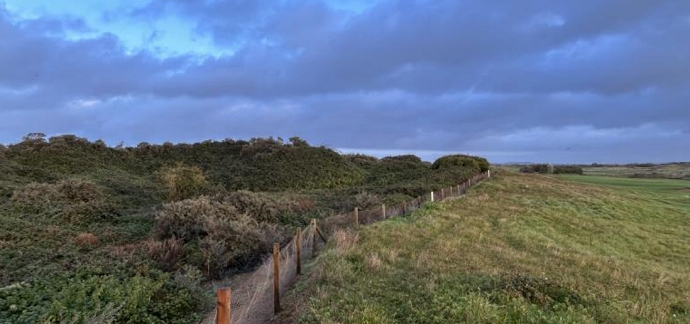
point(244, 296)
point(252, 293)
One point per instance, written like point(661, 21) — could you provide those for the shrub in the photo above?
point(166, 254)
point(526, 169)
point(36, 195)
point(366, 200)
point(361, 159)
point(63, 192)
point(188, 277)
point(183, 182)
point(284, 209)
point(77, 191)
point(538, 168)
point(262, 207)
point(185, 219)
point(403, 158)
point(72, 200)
point(301, 203)
point(236, 243)
point(397, 170)
point(97, 298)
point(87, 212)
point(567, 169)
point(271, 166)
point(216, 256)
point(478, 164)
point(225, 236)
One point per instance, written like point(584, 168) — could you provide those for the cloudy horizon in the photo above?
point(515, 81)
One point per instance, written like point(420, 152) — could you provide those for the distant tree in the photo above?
point(539, 168)
point(296, 141)
point(34, 137)
point(99, 144)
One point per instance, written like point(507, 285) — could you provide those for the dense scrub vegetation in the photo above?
point(567, 169)
point(93, 233)
point(551, 169)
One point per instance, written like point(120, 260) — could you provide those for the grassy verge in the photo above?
point(517, 249)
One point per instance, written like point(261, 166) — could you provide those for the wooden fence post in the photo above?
point(356, 216)
point(223, 310)
point(383, 210)
point(313, 230)
point(276, 278)
point(443, 193)
point(298, 250)
point(432, 196)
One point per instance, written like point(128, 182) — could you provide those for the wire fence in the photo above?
point(257, 298)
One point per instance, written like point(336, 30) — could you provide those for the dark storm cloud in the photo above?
point(515, 80)
point(301, 48)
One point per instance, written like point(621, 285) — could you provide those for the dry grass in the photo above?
point(345, 240)
point(86, 240)
point(165, 253)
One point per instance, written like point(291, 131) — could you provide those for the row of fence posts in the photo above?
point(224, 296)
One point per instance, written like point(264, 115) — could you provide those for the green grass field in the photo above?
point(516, 249)
point(666, 185)
point(671, 171)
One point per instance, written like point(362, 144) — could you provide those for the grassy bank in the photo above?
point(517, 249)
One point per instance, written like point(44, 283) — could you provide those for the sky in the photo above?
point(513, 80)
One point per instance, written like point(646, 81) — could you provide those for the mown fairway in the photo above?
point(516, 249)
point(668, 190)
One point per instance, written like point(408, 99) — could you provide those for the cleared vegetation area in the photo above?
point(97, 234)
point(517, 249)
